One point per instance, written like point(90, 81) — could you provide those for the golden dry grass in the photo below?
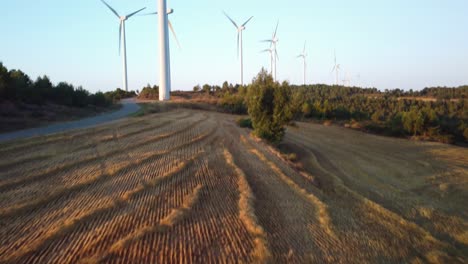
point(190, 186)
point(261, 252)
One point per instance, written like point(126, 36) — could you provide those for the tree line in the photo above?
point(390, 112)
point(17, 86)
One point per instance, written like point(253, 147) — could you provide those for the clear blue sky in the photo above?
point(390, 44)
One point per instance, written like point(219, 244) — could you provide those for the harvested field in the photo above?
point(190, 186)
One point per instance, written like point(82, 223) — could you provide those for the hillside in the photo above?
point(191, 186)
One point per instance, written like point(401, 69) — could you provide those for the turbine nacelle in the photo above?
point(168, 12)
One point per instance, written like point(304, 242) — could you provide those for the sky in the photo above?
point(379, 43)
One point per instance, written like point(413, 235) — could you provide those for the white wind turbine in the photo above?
point(273, 45)
point(122, 40)
point(336, 69)
point(239, 43)
point(303, 55)
point(272, 52)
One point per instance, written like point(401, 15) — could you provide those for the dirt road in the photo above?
point(129, 106)
point(192, 187)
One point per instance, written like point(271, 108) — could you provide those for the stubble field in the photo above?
point(191, 187)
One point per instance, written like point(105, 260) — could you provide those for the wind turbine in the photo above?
point(122, 39)
point(273, 45)
point(336, 69)
point(271, 51)
point(303, 55)
point(164, 52)
point(239, 43)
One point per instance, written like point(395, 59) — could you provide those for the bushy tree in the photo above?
point(149, 92)
point(19, 84)
point(4, 80)
point(206, 88)
point(268, 107)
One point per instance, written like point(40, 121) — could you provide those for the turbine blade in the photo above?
point(234, 23)
point(276, 30)
point(149, 14)
point(276, 53)
point(120, 37)
point(267, 40)
point(112, 9)
point(173, 33)
point(132, 14)
point(263, 51)
point(247, 21)
point(305, 43)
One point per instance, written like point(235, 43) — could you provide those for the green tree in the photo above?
point(4, 80)
point(225, 87)
point(377, 116)
point(206, 88)
point(20, 85)
point(268, 106)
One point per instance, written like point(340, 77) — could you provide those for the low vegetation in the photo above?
point(149, 93)
point(437, 114)
point(119, 94)
point(244, 122)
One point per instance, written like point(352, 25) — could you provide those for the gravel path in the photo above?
point(129, 106)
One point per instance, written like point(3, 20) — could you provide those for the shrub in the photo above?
point(245, 122)
point(233, 104)
point(268, 107)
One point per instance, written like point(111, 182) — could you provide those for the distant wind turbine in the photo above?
point(273, 45)
point(122, 40)
point(239, 43)
point(336, 69)
point(303, 55)
point(272, 52)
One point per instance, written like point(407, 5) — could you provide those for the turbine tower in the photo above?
point(164, 53)
point(122, 40)
point(273, 45)
point(303, 55)
point(239, 43)
point(336, 69)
